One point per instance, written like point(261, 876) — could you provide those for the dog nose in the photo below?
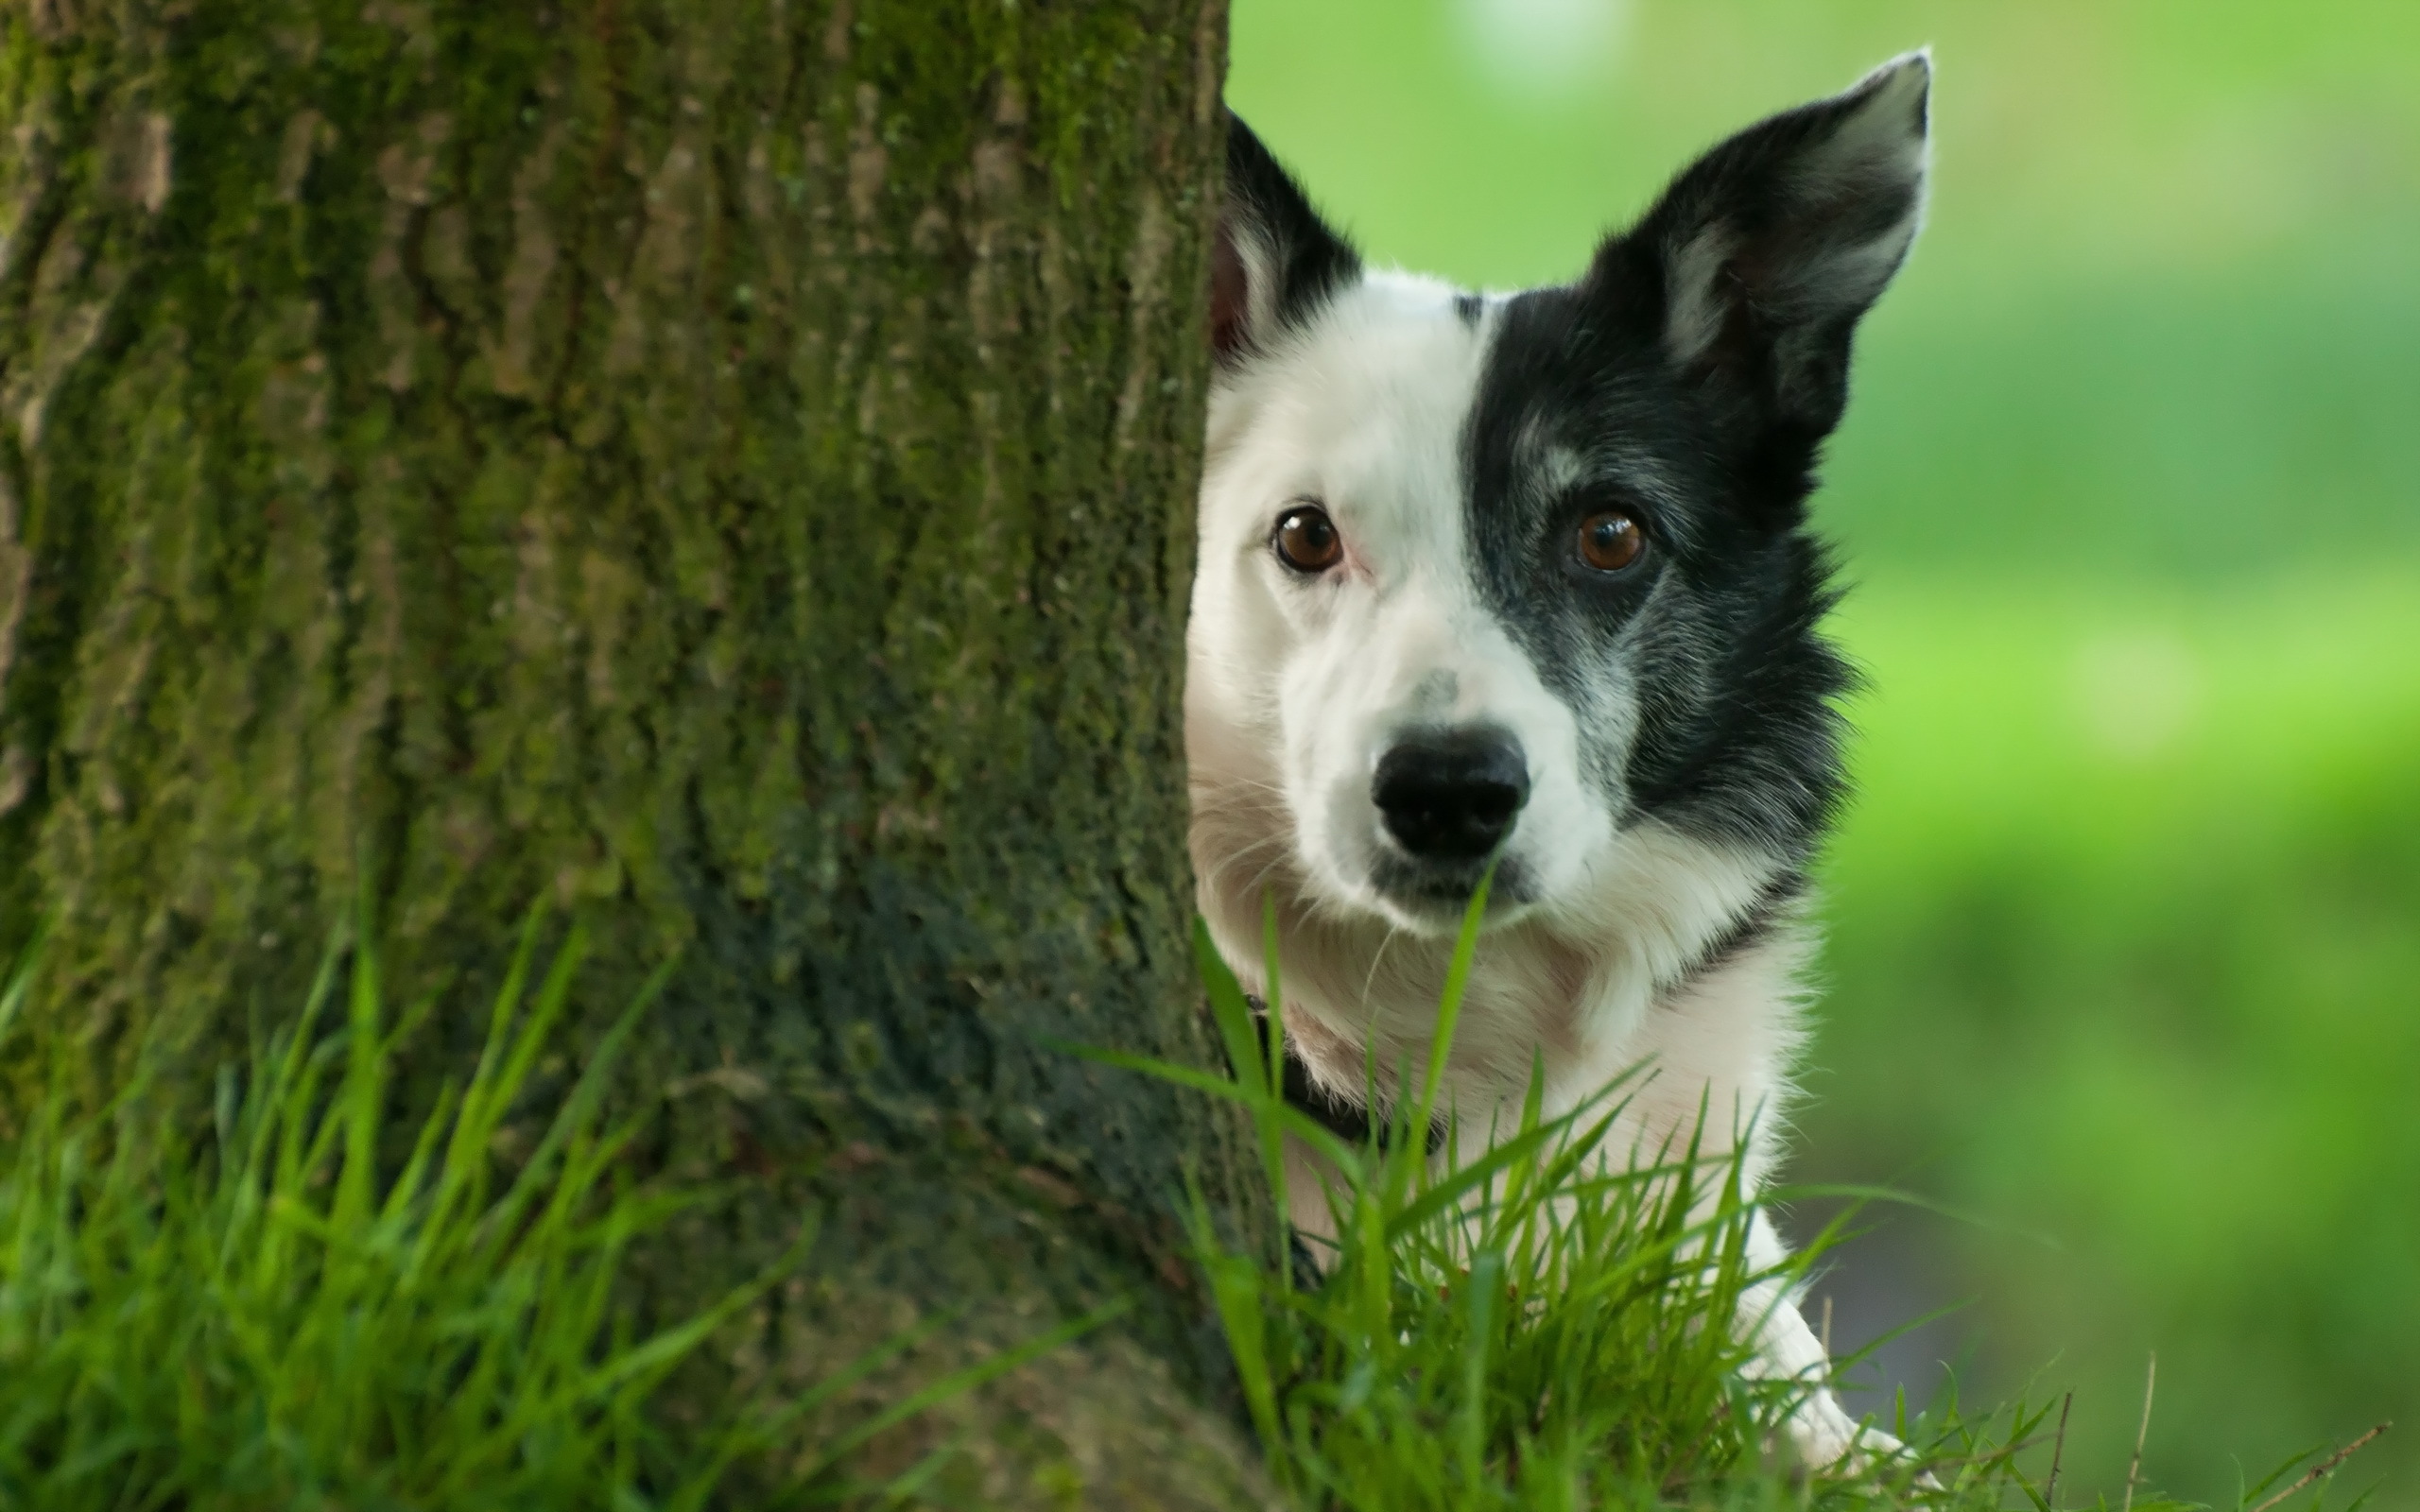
point(1452, 795)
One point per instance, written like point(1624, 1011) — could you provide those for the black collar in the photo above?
point(1348, 1121)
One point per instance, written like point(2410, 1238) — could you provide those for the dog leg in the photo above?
point(1787, 1349)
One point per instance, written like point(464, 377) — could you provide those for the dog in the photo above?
point(1525, 581)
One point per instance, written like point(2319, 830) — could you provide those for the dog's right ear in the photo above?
point(1274, 261)
point(1770, 248)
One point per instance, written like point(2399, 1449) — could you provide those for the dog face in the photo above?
point(1523, 579)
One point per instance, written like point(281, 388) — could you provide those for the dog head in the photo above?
point(1514, 580)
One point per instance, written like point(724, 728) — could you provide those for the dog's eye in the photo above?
point(1306, 539)
point(1611, 541)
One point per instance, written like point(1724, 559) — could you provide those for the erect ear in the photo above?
point(1770, 248)
point(1274, 261)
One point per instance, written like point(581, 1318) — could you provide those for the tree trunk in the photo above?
point(726, 468)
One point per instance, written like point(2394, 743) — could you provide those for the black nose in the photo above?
point(1452, 795)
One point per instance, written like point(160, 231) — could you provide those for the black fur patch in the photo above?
point(1783, 299)
point(1689, 381)
point(1265, 205)
point(1715, 628)
point(1348, 1121)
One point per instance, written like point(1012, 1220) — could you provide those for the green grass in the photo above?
point(1543, 1328)
point(246, 1316)
point(1527, 1330)
point(255, 1314)
point(290, 1308)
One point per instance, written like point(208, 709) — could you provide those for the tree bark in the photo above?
point(726, 468)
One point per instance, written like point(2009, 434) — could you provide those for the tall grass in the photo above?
point(254, 1313)
point(245, 1313)
point(1548, 1325)
point(275, 1309)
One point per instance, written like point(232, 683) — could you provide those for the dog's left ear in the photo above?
point(1768, 249)
point(1274, 261)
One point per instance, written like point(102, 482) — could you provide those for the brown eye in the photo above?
point(1610, 541)
point(1306, 539)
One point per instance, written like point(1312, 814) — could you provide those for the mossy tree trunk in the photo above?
point(723, 467)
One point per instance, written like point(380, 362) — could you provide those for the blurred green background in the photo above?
point(2125, 925)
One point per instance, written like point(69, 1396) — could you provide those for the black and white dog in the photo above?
point(1526, 580)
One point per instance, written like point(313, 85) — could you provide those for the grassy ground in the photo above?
point(1532, 1331)
point(256, 1315)
point(251, 1316)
